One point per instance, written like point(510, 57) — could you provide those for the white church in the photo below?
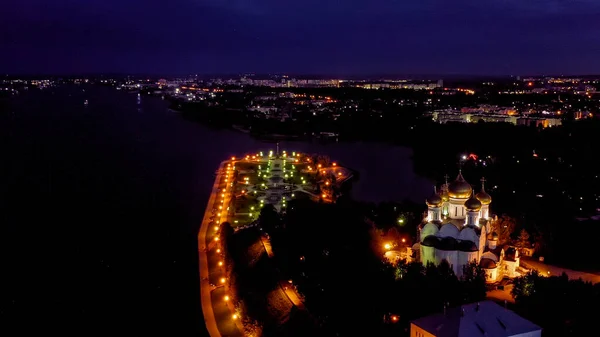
point(458, 229)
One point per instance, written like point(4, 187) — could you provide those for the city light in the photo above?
point(218, 250)
point(235, 316)
point(387, 246)
point(220, 263)
point(216, 238)
point(222, 280)
point(216, 228)
point(226, 298)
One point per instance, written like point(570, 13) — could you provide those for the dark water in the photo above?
point(100, 207)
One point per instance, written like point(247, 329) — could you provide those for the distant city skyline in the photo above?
point(349, 38)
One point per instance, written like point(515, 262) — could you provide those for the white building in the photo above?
point(458, 229)
point(476, 319)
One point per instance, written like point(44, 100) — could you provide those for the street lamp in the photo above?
point(387, 246)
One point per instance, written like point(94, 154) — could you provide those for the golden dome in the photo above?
point(459, 188)
point(434, 200)
point(473, 205)
point(482, 195)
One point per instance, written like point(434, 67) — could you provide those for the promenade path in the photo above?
point(217, 315)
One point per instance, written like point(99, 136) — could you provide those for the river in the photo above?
point(103, 202)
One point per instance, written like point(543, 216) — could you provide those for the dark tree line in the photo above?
point(325, 250)
point(561, 306)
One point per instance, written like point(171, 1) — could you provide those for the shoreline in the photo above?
point(205, 291)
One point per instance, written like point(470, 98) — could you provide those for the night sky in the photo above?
point(343, 37)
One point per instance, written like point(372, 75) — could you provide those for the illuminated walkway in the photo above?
point(217, 315)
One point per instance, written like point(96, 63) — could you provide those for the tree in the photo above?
point(524, 286)
point(504, 227)
point(269, 218)
point(225, 235)
point(393, 236)
point(523, 241)
point(473, 280)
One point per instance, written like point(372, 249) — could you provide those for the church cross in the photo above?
point(482, 182)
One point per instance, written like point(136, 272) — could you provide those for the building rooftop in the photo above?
point(476, 319)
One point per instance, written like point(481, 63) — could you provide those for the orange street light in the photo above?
point(220, 263)
point(403, 240)
point(218, 250)
point(216, 228)
point(235, 316)
point(323, 195)
point(334, 164)
point(319, 166)
point(387, 246)
point(232, 158)
point(216, 238)
point(394, 318)
point(226, 298)
point(222, 280)
point(327, 183)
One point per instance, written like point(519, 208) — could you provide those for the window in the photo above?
point(456, 211)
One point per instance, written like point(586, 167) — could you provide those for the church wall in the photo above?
point(427, 255)
point(485, 211)
point(510, 268)
point(491, 275)
point(449, 255)
point(465, 258)
point(457, 209)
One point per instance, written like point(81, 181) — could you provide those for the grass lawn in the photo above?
point(244, 204)
point(246, 166)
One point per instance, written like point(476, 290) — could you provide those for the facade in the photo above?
point(458, 229)
point(476, 319)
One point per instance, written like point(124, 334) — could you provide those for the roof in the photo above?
point(476, 319)
point(487, 263)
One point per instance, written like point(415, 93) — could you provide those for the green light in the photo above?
point(252, 208)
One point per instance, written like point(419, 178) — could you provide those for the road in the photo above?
point(217, 315)
point(546, 269)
